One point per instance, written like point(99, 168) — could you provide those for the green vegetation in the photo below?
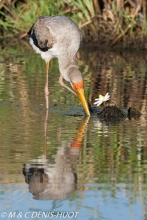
point(102, 21)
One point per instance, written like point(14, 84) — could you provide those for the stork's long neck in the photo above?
point(65, 62)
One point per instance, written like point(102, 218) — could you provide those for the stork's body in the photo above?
point(59, 37)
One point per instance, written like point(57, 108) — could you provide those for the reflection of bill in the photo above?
point(55, 181)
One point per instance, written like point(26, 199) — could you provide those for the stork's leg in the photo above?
point(46, 85)
point(65, 86)
point(45, 132)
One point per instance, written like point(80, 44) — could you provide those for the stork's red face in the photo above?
point(79, 89)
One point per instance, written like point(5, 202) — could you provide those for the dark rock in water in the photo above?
point(112, 113)
point(93, 109)
point(133, 113)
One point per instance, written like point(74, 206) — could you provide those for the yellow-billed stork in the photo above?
point(59, 37)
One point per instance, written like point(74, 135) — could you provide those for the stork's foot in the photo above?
point(65, 86)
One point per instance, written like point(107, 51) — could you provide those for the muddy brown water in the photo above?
point(52, 161)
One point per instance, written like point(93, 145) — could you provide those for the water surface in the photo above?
point(52, 161)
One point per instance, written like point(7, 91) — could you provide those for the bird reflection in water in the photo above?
point(55, 181)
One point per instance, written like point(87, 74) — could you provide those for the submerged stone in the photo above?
point(112, 113)
point(133, 113)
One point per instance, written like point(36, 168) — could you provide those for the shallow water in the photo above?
point(52, 162)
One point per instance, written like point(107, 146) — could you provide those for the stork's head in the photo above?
point(77, 83)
